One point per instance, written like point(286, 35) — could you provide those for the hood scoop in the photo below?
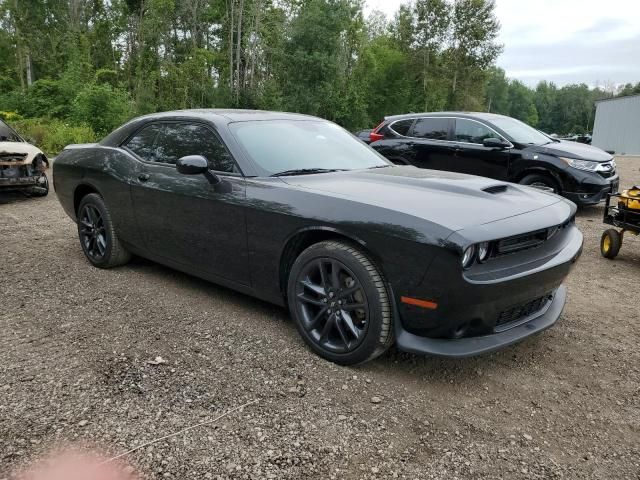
point(495, 189)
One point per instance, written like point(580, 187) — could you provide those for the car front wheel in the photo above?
point(41, 188)
point(541, 181)
point(340, 304)
point(98, 238)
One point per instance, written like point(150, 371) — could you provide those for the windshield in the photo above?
point(520, 132)
point(7, 134)
point(285, 145)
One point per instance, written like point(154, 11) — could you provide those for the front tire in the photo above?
point(98, 238)
point(541, 181)
point(340, 304)
point(42, 187)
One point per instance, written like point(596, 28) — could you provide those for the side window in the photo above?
point(143, 142)
point(468, 131)
point(182, 139)
point(402, 126)
point(431, 128)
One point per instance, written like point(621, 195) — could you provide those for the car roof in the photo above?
point(472, 115)
point(227, 115)
point(218, 116)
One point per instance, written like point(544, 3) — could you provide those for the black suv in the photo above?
point(498, 147)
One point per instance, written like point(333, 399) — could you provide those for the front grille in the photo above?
point(609, 170)
point(526, 241)
point(523, 310)
point(12, 157)
point(521, 242)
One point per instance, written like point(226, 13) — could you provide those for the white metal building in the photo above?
point(617, 125)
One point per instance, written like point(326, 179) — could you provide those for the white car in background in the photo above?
point(22, 165)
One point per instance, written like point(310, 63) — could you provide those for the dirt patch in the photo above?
point(75, 343)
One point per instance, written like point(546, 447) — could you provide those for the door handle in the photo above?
point(143, 177)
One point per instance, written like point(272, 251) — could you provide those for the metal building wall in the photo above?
point(617, 125)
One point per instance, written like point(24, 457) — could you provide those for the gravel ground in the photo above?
point(75, 346)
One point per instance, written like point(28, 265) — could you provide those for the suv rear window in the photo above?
point(431, 128)
point(402, 126)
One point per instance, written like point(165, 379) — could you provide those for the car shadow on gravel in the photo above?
point(11, 197)
point(185, 280)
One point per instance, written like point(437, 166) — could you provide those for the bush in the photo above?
point(102, 107)
point(10, 116)
point(51, 136)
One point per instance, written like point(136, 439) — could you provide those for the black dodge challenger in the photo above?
point(296, 211)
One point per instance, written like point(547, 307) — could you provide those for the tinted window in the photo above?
point(402, 126)
point(7, 134)
point(181, 139)
point(167, 142)
point(280, 145)
point(431, 128)
point(143, 142)
point(469, 131)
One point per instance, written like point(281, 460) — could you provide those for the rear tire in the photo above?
point(98, 238)
point(340, 303)
point(610, 244)
point(541, 181)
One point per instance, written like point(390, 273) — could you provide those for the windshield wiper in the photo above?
point(307, 171)
point(379, 166)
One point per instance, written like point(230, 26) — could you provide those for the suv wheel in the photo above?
point(541, 181)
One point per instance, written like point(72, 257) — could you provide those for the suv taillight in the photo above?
point(374, 136)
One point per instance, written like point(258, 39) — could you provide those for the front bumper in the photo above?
point(593, 192)
point(18, 182)
point(517, 296)
point(468, 347)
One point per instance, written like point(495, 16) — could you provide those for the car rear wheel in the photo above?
point(98, 238)
point(610, 244)
point(541, 181)
point(340, 304)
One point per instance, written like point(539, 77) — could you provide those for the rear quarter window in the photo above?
point(401, 127)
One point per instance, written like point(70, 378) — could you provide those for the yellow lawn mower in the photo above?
point(624, 215)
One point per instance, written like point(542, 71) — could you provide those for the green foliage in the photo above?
point(101, 107)
point(51, 136)
point(98, 63)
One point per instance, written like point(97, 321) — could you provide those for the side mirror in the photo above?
point(196, 165)
point(495, 143)
point(192, 165)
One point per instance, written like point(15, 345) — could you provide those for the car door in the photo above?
point(185, 218)
point(429, 143)
point(471, 156)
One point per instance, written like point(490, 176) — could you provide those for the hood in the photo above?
point(576, 150)
point(20, 148)
point(454, 201)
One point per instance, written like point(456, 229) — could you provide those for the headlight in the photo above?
point(483, 251)
point(468, 256)
point(587, 165)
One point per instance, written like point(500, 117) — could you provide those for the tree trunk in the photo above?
point(238, 51)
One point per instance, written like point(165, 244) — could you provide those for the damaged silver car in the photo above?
point(22, 166)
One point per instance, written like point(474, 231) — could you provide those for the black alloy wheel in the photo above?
point(92, 232)
point(332, 304)
point(97, 235)
point(340, 304)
